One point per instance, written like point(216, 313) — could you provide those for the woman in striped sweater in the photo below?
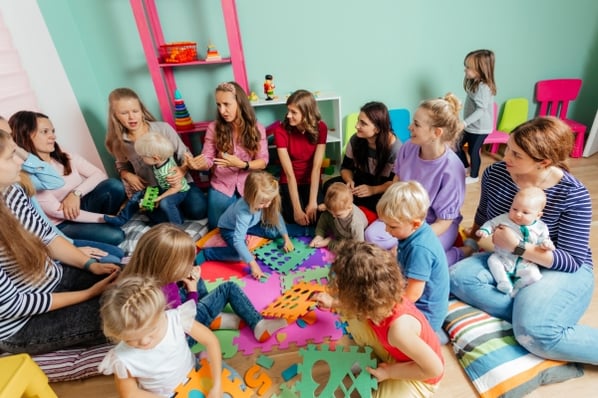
point(44, 306)
point(545, 315)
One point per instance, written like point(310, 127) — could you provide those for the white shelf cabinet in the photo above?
point(330, 107)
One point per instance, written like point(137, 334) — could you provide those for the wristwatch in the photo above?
point(519, 249)
point(77, 193)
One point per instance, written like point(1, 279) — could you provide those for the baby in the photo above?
point(341, 220)
point(511, 271)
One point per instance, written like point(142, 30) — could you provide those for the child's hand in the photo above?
point(288, 245)
point(481, 234)
point(323, 300)
point(216, 392)
point(547, 245)
point(318, 241)
point(381, 373)
point(256, 271)
point(191, 280)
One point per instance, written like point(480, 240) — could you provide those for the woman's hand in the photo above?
point(351, 184)
point(311, 211)
point(99, 287)
point(227, 160)
point(505, 238)
point(300, 217)
point(103, 268)
point(198, 162)
point(134, 181)
point(93, 252)
point(175, 176)
point(363, 191)
point(381, 373)
point(71, 206)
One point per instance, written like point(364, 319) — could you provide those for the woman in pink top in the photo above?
point(366, 286)
point(78, 207)
point(235, 144)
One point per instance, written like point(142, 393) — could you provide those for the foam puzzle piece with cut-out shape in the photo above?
point(286, 391)
point(318, 274)
point(200, 381)
point(258, 379)
point(274, 257)
point(214, 239)
point(226, 338)
point(340, 363)
point(294, 303)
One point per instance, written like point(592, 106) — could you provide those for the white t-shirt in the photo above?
point(160, 369)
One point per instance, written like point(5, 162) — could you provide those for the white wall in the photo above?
point(47, 78)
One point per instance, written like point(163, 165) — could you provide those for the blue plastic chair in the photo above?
point(400, 119)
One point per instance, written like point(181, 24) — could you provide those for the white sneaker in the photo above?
point(471, 180)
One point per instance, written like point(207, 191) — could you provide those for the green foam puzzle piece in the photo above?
point(226, 337)
point(315, 275)
point(274, 257)
point(339, 363)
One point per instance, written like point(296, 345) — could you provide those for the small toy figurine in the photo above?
point(212, 53)
point(269, 88)
point(253, 97)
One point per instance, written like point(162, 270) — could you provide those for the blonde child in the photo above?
point(152, 356)
point(478, 111)
point(509, 269)
point(166, 253)
point(157, 152)
point(367, 287)
point(257, 213)
point(341, 220)
point(403, 209)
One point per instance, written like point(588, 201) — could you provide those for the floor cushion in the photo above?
point(493, 360)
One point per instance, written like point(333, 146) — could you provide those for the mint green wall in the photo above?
point(396, 51)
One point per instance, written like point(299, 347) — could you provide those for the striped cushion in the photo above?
point(493, 360)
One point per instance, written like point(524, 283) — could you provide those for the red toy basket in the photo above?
point(173, 53)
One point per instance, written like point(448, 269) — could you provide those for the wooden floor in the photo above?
point(455, 383)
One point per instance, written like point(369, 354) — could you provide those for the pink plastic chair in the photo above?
point(554, 96)
point(495, 138)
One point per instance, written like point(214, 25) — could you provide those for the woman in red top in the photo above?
point(366, 286)
point(301, 143)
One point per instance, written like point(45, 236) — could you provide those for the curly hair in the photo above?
point(311, 117)
point(249, 135)
point(366, 280)
point(24, 124)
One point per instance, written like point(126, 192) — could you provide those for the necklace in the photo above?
point(548, 174)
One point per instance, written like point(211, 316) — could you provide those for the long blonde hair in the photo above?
point(26, 248)
point(114, 136)
point(261, 186)
point(165, 253)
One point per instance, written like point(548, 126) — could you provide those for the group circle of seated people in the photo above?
point(416, 189)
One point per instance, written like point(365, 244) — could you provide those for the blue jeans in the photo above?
point(99, 232)
point(544, 315)
point(217, 204)
point(194, 206)
point(106, 197)
point(229, 253)
point(168, 209)
point(115, 253)
point(74, 325)
point(209, 305)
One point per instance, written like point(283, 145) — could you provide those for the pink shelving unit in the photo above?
point(150, 32)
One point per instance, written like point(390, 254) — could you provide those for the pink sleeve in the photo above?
point(263, 152)
point(209, 145)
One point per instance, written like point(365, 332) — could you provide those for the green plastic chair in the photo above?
point(515, 113)
point(350, 123)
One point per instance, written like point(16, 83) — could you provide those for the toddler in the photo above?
point(367, 287)
point(157, 151)
point(511, 271)
point(166, 253)
point(152, 355)
point(341, 220)
point(257, 213)
point(403, 209)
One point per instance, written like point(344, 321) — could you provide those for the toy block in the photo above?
point(265, 362)
point(20, 376)
point(290, 372)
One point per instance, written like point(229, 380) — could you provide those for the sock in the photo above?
point(224, 320)
point(266, 327)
